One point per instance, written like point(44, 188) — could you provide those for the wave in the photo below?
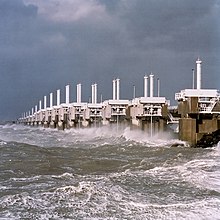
point(94, 137)
point(101, 197)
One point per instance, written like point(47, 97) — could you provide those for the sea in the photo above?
point(105, 173)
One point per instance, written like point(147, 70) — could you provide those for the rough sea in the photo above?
point(105, 173)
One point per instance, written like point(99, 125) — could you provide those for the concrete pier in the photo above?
point(149, 113)
point(199, 110)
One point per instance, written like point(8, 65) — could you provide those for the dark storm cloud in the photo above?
point(170, 24)
point(46, 44)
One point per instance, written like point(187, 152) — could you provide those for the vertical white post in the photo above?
point(58, 97)
point(67, 94)
point(95, 93)
point(118, 89)
point(45, 102)
point(40, 105)
point(32, 111)
point(199, 70)
point(113, 89)
point(158, 87)
point(51, 100)
point(145, 86)
point(35, 108)
point(151, 85)
point(92, 93)
point(79, 93)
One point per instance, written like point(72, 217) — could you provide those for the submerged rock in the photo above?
point(209, 140)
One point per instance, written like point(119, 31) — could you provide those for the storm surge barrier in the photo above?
point(197, 113)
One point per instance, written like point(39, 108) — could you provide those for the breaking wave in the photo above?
point(105, 173)
point(47, 137)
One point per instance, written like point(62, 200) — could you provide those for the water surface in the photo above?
point(105, 173)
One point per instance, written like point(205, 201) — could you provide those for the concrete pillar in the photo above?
point(199, 70)
point(92, 93)
point(187, 130)
point(58, 97)
point(45, 102)
point(145, 86)
point(78, 93)
point(151, 85)
point(158, 87)
point(40, 105)
point(95, 93)
point(67, 94)
point(113, 89)
point(118, 89)
point(51, 100)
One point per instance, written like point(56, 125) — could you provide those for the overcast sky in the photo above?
point(46, 44)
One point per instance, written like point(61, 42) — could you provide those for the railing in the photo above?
point(172, 120)
point(206, 106)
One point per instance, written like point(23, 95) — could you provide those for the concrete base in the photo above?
point(208, 126)
point(70, 124)
point(85, 123)
point(46, 125)
point(187, 130)
point(156, 126)
point(60, 125)
point(52, 125)
point(105, 122)
point(135, 122)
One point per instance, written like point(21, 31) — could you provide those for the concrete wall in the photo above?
point(208, 126)
point(187, 130)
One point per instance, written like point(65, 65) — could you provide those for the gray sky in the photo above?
point(46, 44)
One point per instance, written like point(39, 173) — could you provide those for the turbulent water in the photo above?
point(105, 173)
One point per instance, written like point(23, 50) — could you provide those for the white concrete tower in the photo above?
point(151, 85)
point(58, 97)
point(67, 94)
point(199, 71)
point(78, 93)
point(114, 89)
point(95, 93)
point(117, 89)
point(92, 93)
point(40, 105)
point(145, 86)
point(45, 102)
point(158, 87)
point(32, 111)
point(51, 100)
point(35, 108)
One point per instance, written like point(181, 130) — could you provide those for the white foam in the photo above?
point(96, 136)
